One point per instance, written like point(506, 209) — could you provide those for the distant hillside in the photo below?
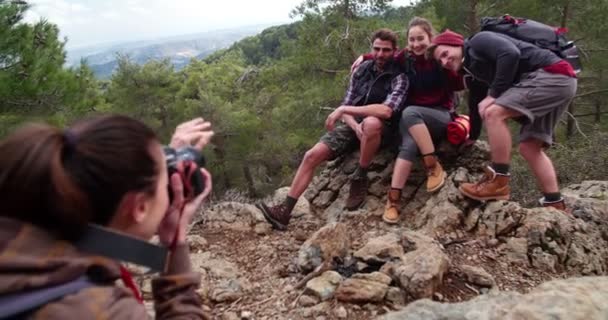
point(179, 49)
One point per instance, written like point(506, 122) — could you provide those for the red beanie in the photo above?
point(449, 38)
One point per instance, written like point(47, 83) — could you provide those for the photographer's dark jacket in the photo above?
point(368, 86)
point(31, 258)
point(494, 62)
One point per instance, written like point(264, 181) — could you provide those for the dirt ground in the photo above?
point(268, 263)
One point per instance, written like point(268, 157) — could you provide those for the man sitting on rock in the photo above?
point(511, 79)
point(374, 98)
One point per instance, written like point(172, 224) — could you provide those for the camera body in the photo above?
point(186, 162)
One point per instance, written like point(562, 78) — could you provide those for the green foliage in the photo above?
point(346, 8)
point(575, 160)
point(33, 82)
point(146, 92)
point(268, 95)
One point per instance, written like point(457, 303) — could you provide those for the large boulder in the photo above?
point(234, 216)
point(421, 270)
point(571, 299)
point(362, 288)
point(329, 242)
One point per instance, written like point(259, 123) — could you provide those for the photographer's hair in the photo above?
point(423, 23)
point(61, 180)
point(385, 35)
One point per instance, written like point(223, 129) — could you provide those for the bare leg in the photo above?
point(370, 142)
point(540, 164)
point(423, 139)
point(499, 135)
point(400, 173)
point(312, 159)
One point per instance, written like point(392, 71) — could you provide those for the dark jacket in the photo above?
point(370, 86)
point(430, 85)
point(494, 63)
point(31, 258)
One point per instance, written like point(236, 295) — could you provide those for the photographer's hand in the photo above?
point(172, 230)
point(196, 133)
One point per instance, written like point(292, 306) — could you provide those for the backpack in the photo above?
point(19, 305)
point(536, 33)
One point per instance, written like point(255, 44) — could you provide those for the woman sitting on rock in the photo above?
point(426, 115)
point(106, 175)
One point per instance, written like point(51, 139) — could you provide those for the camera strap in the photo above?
point(112, 244)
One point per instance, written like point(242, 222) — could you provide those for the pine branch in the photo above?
point(590, 93)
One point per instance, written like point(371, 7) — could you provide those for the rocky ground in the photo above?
point(337, 264)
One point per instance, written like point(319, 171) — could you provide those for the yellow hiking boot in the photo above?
point(435, 174)
point(393, 201)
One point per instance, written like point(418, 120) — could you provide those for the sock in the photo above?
point(552, 197)
point(501, 168)
point(290, 203)
point(390, 197)
point(361, 172)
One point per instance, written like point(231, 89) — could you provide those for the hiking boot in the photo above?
point(435, 174)
point(357, 193)
point(278, 216)
point(559, 205)
point(391, 211)
point(492, 186)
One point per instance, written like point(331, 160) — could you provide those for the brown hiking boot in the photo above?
point(278, 216)
point(492, 186)
point(393, 202)
point(357, 193)
point(559, 205)
point(435, 174)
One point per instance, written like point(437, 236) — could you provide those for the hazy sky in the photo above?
point(87, 22)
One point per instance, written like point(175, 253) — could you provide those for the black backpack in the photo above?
point(536, 33)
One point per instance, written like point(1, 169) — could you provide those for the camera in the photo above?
point(186, 162)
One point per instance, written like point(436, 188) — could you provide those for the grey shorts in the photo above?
point(436, 120)
point(542, 98)
point(343, 139)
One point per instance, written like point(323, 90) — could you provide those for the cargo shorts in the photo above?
point(542, 98)
point(343, 139)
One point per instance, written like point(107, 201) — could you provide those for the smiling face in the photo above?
point(383, 51)
point(418, 40)
point(450, 57)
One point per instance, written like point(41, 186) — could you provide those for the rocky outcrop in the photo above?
point(445, 247)
point(571, 299)
point(538, 237)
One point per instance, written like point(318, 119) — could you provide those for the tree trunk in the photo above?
point(220, 153)
point(570, 125)
point(253, 193)
point(347, 12)
point(598, 102)
point(472, 22)
point(565, 14)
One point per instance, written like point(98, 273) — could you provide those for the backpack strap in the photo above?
point(15, 304)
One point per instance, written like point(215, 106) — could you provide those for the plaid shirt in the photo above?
point(394, 100)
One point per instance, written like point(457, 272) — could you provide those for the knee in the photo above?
point(495, 113)
point(372, 126)
point(410, 117)
point(530, 149)
point(314, 157)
